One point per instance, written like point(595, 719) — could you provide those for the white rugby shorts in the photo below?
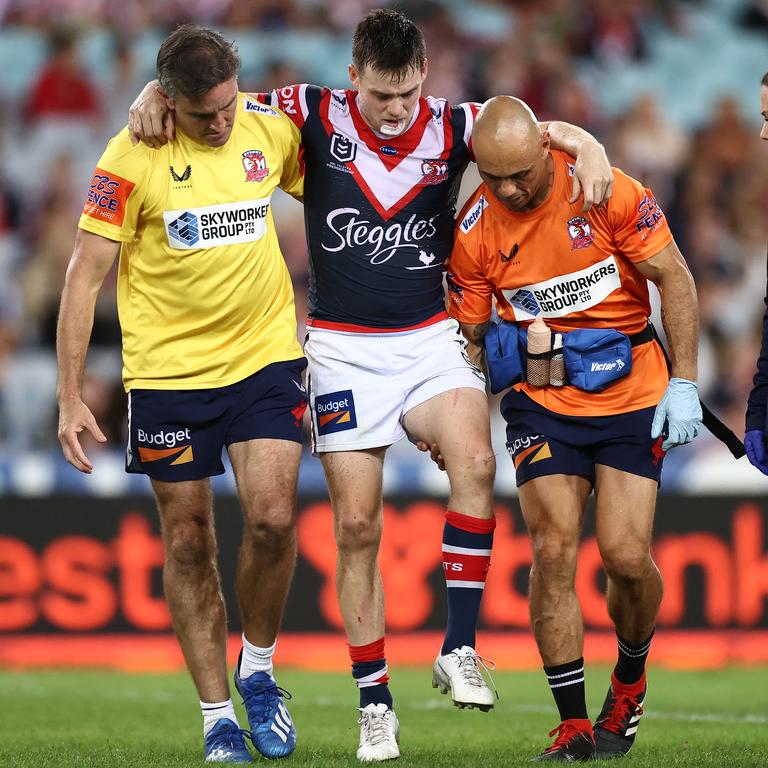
point(361, 385)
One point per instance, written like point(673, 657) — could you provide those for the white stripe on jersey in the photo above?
point(469, 122)
point(389, 187)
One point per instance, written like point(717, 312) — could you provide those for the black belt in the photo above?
point(723, 433)
point(646, 335)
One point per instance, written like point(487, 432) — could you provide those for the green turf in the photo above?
point(102, 719)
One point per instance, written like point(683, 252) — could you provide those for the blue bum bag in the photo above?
point(594, 357)
point(505, 353)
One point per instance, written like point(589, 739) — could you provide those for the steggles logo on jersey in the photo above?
point(211, 225)
point(335, 412)
point(580, 232)
point(255, 165)
point(342, 148)
point(434, 172)
point(384, 241)
point(562, 295)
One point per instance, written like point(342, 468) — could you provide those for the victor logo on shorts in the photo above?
point(168, 444)
point(335, 412)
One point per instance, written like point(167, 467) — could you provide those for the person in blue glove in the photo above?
point(607, 428)
point(755, 435)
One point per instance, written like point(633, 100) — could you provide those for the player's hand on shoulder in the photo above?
point(754, 445)
point(74, 417)
point(592, 176)
point(149, 119)
point(681, 409)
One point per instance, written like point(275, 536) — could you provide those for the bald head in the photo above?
point(511, 152)
point(505, 129)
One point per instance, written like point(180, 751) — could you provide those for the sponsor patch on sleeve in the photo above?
point(108, 197)
point(649, 216)
point(262, 109)
point(473, 215)
point(335, 412)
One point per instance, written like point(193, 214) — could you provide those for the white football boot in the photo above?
point(460, 671)
point(379, 734)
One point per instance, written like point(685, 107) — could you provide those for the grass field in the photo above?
point(101, 719)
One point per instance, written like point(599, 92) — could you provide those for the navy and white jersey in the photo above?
point(379, 212)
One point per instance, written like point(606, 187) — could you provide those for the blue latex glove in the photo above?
point(754, 444)
point(681, 409)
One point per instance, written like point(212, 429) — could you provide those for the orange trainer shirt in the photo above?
point(575, 270)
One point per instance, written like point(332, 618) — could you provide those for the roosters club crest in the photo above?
point(580, 232)
point(255, 165)
point(435, 171)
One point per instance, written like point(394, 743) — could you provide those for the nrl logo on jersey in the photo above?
point(255, 165)
point(435, 172)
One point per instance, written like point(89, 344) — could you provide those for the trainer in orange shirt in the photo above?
point(519, 241)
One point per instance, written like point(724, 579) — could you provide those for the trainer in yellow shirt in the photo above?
point(210, 360)
point(204, 296)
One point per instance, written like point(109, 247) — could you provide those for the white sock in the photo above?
point(214, 711)
point(255, 659)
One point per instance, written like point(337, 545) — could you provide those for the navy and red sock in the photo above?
point(467, 543)
point(369, 668)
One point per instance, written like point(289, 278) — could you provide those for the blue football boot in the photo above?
point(272, 730)
point(225, 744)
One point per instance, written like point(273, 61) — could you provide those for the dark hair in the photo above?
point(764, 81)
point(387, 41)
point(193, 59)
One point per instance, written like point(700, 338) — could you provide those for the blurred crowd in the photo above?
point(708, 177)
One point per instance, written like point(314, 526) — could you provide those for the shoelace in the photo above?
point(375, 727)
point(226, 739)
point(565, 733)
point(263, 700)
point(472, 666)
point(622, 707)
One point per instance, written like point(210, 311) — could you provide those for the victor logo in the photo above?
point(618, 365)
point(379, 242)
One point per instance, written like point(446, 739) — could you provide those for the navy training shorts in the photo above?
point(541, 442)
point(176, 435)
